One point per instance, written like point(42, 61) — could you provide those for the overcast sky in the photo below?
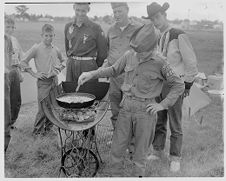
point(179, 9)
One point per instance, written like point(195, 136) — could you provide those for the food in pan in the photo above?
point(74, 99)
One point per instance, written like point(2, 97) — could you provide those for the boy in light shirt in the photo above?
point(48, 62)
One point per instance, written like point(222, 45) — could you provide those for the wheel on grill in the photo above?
point(79, 162)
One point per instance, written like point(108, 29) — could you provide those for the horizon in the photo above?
point(194, 9)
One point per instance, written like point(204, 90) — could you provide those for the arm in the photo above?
point(175, 84)
point(116, 69)
point(66, 42)
point(189, 60)
point(102, 47)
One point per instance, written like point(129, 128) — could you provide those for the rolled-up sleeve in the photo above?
point(188, 57)
point(176, 86)
point(113, 71)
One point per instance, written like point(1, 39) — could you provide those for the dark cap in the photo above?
point(144, 39)
point(154, 8)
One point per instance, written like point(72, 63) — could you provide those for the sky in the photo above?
point(179, 9)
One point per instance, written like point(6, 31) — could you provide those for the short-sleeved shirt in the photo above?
point(8, 53)
point(118, 41)
point(144, 79)
point(45, 57)
point(18, 52)
point(88, 40)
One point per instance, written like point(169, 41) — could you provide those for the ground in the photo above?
point(203, 148)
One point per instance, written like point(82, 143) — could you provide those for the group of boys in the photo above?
point(149, 77)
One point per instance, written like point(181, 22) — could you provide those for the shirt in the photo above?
point(144, 79)
point(8, 48)
point(18, 52)
point(45, 58)
point(175, 45)
point(118, 41)
point(88, 40)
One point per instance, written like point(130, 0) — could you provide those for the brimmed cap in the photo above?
point(118, 4)
point(154, 8)
point(144, 39)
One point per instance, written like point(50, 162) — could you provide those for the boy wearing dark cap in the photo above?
point(174, 44)
point(145, 72)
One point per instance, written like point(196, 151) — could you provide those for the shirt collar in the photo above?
point(86, 22)
point(151, 57)
point(129, 23)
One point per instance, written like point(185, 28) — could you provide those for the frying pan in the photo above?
point(76, 105)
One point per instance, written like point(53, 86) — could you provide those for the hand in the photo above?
point(153, 108)
point(40, 75)
point(186, 92)
point(84, 77)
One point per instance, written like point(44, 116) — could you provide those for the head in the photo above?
point(81, 10)
point(120, 11)
point(47, 34)
point(9, 25)
point(157, 14)
point(144, 40)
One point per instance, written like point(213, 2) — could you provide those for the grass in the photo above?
point(202, 145)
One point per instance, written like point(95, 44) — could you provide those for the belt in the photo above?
point(83, 58)
point(139, 98)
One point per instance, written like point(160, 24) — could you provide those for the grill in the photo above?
point(82, 133)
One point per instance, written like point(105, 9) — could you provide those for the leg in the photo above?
point(115, 96)
point(160, 131)
point(39, 125)
point(144, 133)
point(15, 95)
point(175, 123)
point(120, 141)
point(7, 112)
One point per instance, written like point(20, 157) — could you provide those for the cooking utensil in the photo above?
point(99, 89)
point(77, 105)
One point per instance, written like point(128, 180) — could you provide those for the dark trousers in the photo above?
point(7, 111)
point(15, 95)
point(175, 123)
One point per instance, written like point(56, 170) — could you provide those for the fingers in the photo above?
point(151, 108)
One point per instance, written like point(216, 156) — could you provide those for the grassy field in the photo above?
point(203, 142)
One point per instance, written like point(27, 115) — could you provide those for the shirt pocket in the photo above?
point(146, 82)
point(129, 70)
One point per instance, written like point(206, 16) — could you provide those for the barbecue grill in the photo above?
point(78, 139)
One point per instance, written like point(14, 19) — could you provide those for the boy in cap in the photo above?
point(174, 44)
point(143, 80)
point(118, 37)
point(48, 61)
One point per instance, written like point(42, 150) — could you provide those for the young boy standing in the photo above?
point(145, 72)
point(15, 75)
point(48, 61)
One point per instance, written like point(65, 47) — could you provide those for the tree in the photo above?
point(21, 10)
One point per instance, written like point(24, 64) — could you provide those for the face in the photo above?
point(120, 14)
point(159, 20)
point(81, 11)
point(9, 28)
point(47, 38)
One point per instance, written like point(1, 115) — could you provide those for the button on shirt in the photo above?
point(144, 79)
point(118, 41)
point(88, 40)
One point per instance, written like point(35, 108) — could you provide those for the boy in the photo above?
point(48, 61)
point(8, 48)
point(15, 75)
point(174, 44)
point(144, 75)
